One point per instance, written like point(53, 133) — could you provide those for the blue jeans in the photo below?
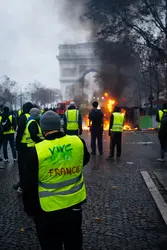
point(9, 138)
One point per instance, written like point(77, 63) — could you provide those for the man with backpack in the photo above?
point(8, 124)
point(162, 134)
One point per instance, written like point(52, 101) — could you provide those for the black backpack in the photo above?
point(6, 125)
point(164, 122)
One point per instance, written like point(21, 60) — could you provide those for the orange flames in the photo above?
point(110, 105)
point(107, 109)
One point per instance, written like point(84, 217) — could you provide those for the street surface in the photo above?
point(120, 213)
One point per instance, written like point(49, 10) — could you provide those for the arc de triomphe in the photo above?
point(74, 61)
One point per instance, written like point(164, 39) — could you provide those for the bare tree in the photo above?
point(42, 95)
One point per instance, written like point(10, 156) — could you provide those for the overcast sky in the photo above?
point(31, 31)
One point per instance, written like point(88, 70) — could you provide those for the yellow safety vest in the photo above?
point(161, 112)
point(11, 131)
point(72, 119)
point(118, 122)
point(30, 142)
point(61, 182)
point(24, 139)
point(19, 113)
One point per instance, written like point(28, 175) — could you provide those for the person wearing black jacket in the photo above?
point(20, 145)
point(54, 226)
point(8, 126)
point(32, 134)
point(96, 117)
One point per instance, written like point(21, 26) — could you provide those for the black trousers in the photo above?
point(96, 135)
point(163, 142)
point(22, 155)
point(116, 141)
point(59, 228)
point(9, 138)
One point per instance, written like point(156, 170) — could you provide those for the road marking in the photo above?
point(146, 142)
point(161, 204)
point(141, 142)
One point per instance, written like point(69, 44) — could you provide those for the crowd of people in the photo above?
point(50, 165)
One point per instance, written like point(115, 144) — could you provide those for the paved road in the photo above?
point(120, 212)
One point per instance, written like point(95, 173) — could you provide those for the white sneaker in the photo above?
point(6, 160)
point(161, 159)
point(19, 190)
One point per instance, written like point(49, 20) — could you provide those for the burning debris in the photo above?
point(107, 105)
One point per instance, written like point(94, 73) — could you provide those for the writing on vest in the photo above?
point(60, 178)
point(64, 171)
point(64, 150)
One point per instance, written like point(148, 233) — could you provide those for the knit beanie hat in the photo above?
point(50, 121)
point(34, 112)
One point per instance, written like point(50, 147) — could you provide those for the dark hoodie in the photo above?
point(22, 122)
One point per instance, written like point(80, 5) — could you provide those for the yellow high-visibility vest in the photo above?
point(161, 112)
point(118, 122)
point(61, 182)
point(30, 142)
point(24, 140)
point(72, 119)
point(19, 112)
point(11, 131)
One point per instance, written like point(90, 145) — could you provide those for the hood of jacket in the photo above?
point(27, 107)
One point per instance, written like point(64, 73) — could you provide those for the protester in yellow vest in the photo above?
point(160, 114)
point(20, 111)
point(55, 187)
point(115, 133)
point(161, 118)
point(73, 120)
point(21, 145)
point(1, 137)
point(8, 127)
point(33, 132)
